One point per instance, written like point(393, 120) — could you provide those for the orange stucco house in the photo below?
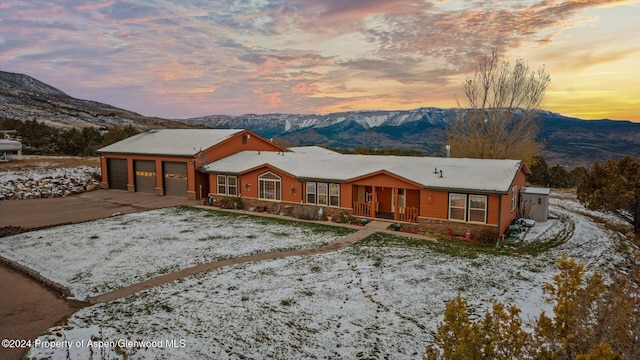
point(433, 194)
point(436, 194)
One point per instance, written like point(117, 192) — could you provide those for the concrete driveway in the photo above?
point(37, 213)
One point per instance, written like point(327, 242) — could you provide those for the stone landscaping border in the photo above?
point(61, 289)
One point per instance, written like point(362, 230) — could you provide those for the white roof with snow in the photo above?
point(535, 190)
point(312, 149)
point(463, 174)
point(175, 142)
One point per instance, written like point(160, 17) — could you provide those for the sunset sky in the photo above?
point(179, 59)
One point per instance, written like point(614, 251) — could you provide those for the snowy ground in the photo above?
point(381, 298)
point(97, 257)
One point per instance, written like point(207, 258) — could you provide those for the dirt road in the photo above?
point(27, 309)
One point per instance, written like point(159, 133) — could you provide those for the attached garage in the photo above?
point(174, 175)
point(145, 176)
point(117, 173)
point(166, 162)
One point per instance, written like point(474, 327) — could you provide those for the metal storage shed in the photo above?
point(534, 203)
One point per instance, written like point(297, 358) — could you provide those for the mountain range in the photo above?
point(569, 141)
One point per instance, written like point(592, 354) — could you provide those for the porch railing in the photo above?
point(408, 214)
point(361, 208)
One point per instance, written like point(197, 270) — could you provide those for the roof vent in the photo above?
point(440, 173)
point(435, 171)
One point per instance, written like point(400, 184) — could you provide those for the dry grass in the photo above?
point(49, 162)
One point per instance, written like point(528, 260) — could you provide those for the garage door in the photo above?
point(175, 178)
point(145, 176)
point(117, 173)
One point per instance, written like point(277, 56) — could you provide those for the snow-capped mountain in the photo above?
point(569, 141)
point(280, 124)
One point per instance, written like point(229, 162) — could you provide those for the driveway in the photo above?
point(37, 213)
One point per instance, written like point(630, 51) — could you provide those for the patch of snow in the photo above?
point(103, 255)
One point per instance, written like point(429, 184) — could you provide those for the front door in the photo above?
point(402, 199)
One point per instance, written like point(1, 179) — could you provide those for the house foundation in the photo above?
point(453, 228)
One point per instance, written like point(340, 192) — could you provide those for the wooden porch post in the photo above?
point(374, 200)
point(396, 209)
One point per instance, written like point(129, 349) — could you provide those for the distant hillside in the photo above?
point(573, 141)
point(25, 98)
point(570, 141)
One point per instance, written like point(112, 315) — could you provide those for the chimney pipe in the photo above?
point(448, 147)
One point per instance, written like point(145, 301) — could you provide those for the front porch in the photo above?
point(397, 204)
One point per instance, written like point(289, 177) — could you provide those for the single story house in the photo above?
point(436, 194)
point(433, 194)
point(164, 162)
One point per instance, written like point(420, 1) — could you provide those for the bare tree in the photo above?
point(500, 119)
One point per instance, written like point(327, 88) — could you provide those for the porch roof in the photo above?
point(481, 175)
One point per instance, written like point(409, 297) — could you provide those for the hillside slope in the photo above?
point(25, 98)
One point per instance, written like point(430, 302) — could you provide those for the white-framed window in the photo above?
point(222, 184)
point(311, 192)
point(269, 186)
point(514, 197)
point(478, 208)
point(457, 206)
point(320, 193)
point(334, 194)
point(323, 194)
point(232, 185)
point(227, 185)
